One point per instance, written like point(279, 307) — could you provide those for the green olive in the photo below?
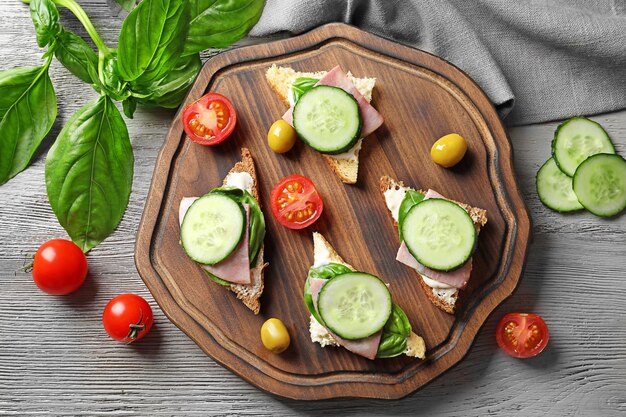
point(275, 336)
point(449, 150)
point(281, 136)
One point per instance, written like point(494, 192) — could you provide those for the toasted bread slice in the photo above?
point(323, 251)
point(249, 294)
point(444, 298)
point(281, 78)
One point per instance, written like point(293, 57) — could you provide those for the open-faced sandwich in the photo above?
point(354, 309)
point(330, 111)
point(223, 231)
point(438, 237)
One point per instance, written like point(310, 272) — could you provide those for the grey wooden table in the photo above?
point(55, 357)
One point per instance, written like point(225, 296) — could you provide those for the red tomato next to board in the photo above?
point(59, 267)
point(522, 335)
point(127, 317)
point(295, 202)
point(210, 120)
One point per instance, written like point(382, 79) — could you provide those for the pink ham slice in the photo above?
point(235, 268)
point(457, 278)
point(367, 347)
point(337, 78)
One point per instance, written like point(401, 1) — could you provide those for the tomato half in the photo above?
point(522, 335)
point(209, 120)
point(295, 202)
point(59, 267)
point(127, 317)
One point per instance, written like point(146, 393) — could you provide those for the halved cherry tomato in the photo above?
point(127, 317)
point(295, 202)
point(209, 120)
point(522, 335)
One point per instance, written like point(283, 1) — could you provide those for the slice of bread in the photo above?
point(322, 251)
point(280, 80)
point(249, 294)
point(443, 298)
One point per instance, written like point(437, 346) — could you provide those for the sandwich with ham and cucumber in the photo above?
point(330, 111)
point(438, 237)
point(223, 232)
point(355, 310)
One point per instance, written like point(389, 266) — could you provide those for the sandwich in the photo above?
point(223, 232)
point(438, 237)
point(354, 309)
point(336, 131)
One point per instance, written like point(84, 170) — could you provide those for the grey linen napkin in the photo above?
point(536, 60)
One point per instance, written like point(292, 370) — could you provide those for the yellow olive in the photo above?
point(281, 136)
point(274, 335)
point(449, 150)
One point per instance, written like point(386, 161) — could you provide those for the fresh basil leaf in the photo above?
point(75, 55)
point(301, 85)
point(395, 334)
point(328, 271)
point(127, 4)
point(89, 173)
point(129, 106)
point(411, 198)
point(28, 108)
point(152, 38)
point(170, 91)
point(219, 23)
point(110, 79)
point(45, 17)
point(257, 220)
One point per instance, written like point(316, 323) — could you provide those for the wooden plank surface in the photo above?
point(55, 358)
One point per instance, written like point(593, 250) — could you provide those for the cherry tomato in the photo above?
point(449, 150)
point(295, 202)
point(60, 267)
point(522, 335)
point(281, 136)
point(127, 317)
point(209, 120)
point(275, 336)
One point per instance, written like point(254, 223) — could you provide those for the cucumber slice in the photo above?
point(327, 119)
point(555, 188)
point(354, 305)
point(439, 234)
point(212, 228)
point(575, 140)
point(600, 184)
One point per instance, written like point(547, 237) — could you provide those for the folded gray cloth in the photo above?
point(536, 60)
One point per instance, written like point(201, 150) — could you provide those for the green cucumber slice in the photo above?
point(600, 184)
point(575, 140)
point(354, 305)
point(212, 228)
point(439, 234)
point(327, 119)
point(555, 188)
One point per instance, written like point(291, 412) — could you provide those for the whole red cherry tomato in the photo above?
point(60, 267)
point(127, 317)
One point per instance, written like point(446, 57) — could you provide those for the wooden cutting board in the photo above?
point(422, 98)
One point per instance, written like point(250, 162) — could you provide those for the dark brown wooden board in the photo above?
point(422, 98)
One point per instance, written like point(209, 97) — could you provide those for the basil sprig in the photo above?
point(154, 65)
point(395, 334)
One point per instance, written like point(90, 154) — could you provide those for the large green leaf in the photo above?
point(75, 55)
point(219, 23)
point(45, 17)
point(170, 90)
point(28, 108)
point(89, 173)
point(152, 39)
